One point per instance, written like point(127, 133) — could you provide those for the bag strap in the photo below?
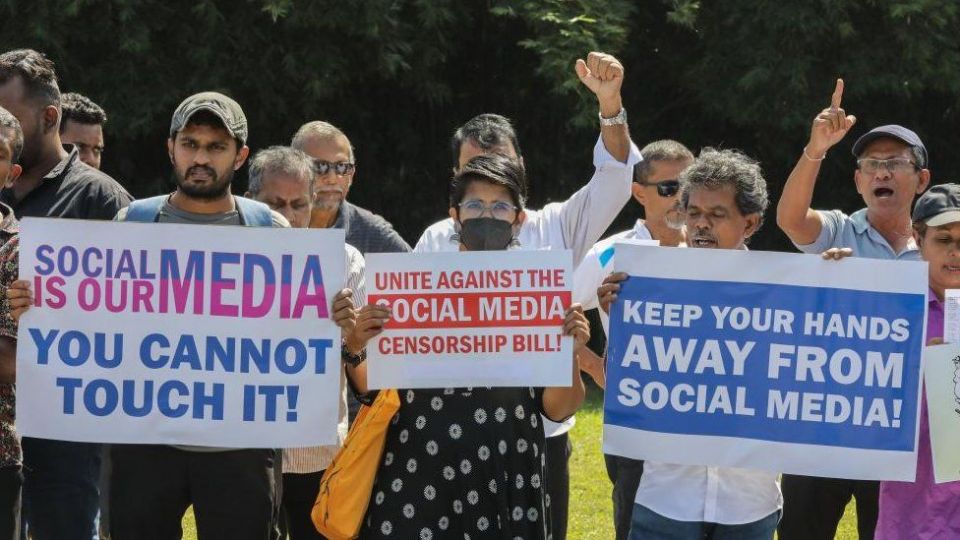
point(254, 213)
point(146, 210)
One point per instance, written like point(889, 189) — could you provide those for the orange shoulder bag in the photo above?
point(348, 482)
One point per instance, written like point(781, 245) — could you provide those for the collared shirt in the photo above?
point(9, 251)
point(573, 224)
point(839, 230)
point(368, 232)
point(318, 458)
point(921, 509)
point(72, 189)
point(597, 264)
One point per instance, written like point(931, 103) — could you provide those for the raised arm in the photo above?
point(794, 215)
point(602, 74)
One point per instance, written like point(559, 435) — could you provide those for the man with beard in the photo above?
point(232, 490)
point(60, 495)
point(657, 188)
point(335, 167)
point(724, 196)
point(891, 170)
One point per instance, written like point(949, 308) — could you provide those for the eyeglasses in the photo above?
point(667, 188)
point(894, 165)
point(474, 208)
point(322, 167)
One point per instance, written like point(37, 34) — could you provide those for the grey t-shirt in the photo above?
point(172, 214)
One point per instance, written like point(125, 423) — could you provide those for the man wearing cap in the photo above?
point(232, 490)
point(891, 171)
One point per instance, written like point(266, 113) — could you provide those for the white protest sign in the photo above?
point(179, 334)
point(951, 316)
point(774, 361)
point(942, 378)
point(491, 318)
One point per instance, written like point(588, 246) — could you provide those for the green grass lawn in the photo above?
point(591, 510)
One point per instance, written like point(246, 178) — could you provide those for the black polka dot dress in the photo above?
point(462, 464)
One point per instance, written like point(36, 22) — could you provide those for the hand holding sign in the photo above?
point(369, 324)
point(575, 324)
point(607, 293)
point(831, 125)
point(19, 298)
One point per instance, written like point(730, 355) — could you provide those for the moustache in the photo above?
point(202, 168)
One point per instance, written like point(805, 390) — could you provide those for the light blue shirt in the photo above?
point(855, 232)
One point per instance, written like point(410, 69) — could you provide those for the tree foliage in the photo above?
point(399, 75)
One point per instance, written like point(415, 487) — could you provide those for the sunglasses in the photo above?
point(667, 188)
point(322, 167)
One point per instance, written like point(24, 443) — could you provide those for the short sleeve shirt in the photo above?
point(839, 230)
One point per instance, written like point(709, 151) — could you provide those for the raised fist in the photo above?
point(603, 75)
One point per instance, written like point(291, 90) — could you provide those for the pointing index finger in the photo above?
point(837, 95)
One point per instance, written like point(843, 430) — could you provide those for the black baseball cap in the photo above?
point(226, 109)
point(940, 205)
point(892, 131)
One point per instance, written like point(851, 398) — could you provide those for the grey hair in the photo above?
point(714, 169)
point(279, 159)
point(662, 150)
point(9, 122)
point(323, 131)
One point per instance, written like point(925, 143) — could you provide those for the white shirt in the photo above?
point(317, 458)
point(724, 495)
point(598, 264)
point(574, 224)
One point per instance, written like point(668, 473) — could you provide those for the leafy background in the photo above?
point(399, 75)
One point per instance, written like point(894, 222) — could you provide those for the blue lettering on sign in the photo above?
point(785, 363)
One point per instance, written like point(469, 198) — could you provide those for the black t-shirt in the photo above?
point(72, 189)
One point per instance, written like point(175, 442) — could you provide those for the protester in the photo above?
point(82, 126)
point(724, 196)
point(11, 466)
point(923, 509)
point(335, 166)
point(283, 179)
point(474, 465)
point(656, 188)
point(60, 495)
point(574, 224)
point(891, 171)
point(232, 491)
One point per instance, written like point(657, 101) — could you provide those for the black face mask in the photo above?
point(486, 234)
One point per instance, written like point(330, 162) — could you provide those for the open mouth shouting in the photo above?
point(882, 192)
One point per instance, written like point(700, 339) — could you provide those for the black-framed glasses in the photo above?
point(666, 188)
point(322, 167)
point(475, 208)
point(894, 165)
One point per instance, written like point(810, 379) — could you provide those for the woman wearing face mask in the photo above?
point(468, 462)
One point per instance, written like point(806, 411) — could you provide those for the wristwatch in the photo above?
point(618, 120)
point(352, 360)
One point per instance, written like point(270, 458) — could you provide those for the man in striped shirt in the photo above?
point(283, 179)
